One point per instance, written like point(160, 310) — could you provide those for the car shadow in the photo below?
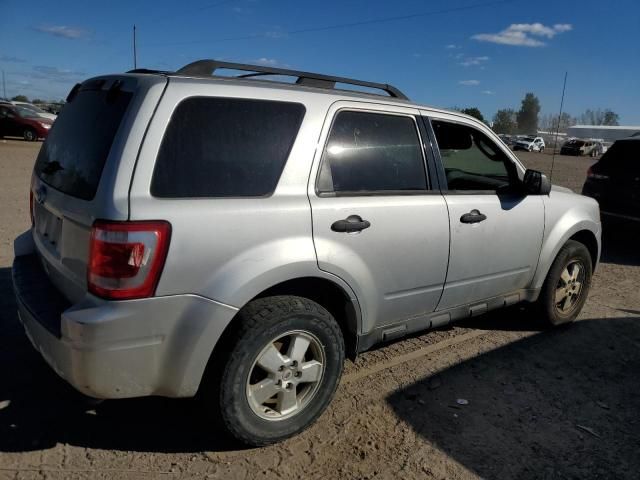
point(563, 403)
point(38, 409)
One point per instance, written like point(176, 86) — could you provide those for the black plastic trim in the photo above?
point(37, 294)
point(437, 159)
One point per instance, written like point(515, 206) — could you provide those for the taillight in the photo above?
point(31, 207)
point(126, 258)
point(596, 176)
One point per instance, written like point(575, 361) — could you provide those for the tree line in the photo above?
point(24, 98)
point(528, 119)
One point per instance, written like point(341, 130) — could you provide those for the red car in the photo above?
point(16, 121)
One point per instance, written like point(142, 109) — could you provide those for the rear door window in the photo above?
point(372, 152)
point(73, 156)
point(225, 147)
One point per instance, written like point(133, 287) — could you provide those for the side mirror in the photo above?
point(536, 183)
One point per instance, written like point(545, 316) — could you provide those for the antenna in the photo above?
point(555, 146)
point(135, 53)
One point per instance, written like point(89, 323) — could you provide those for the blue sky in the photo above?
point(458, 53)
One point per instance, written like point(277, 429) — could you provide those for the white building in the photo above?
point(604, 132)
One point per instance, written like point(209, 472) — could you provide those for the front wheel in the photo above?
point(567, 284)
point(283, 366)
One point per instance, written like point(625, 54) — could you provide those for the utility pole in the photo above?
point(135, 54)
point(4, 86)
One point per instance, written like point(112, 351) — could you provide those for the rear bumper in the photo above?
point(154, 346)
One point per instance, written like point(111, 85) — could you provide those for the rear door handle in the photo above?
point(474, 216)
point(353, 223)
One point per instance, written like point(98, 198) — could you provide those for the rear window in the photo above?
point(73, 156)
point(222, 147)
point(623, 155)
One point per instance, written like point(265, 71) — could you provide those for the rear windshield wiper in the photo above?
point(51, 167)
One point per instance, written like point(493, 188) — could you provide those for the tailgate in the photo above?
point(83, 171)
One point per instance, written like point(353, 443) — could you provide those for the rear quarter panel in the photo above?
point(231, 249)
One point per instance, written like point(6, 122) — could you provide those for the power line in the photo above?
point(339, 25)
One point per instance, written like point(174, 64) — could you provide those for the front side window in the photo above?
point(225, 147)
point(471, 160)
point(372, 152)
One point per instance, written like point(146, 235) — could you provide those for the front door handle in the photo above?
point(353, 223)
point(474, 216)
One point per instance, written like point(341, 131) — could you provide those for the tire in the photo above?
point(29, 135)
point(531, 149)
point(558, 284)
point(264, 326)
point(541, 150)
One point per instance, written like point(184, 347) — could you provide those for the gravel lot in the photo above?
point(541, 404)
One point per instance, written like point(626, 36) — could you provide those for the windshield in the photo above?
point(529, 139)
point(26, 112)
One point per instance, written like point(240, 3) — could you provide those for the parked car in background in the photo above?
point(18, 121)
point(237, 238)
point(530, 144)
point(614, 180)
point(582, 148)
point(34, 108)
point(507, 139)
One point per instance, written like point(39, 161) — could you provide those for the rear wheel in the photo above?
point(541, 149)
point(281, 371)
point(29, 135)
point(530, 148)
point(567, 284)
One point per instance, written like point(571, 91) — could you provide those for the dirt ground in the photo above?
point(541, 403)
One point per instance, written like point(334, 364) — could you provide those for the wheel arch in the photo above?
point(338, 299)
point(585, 232)
point(589, 240)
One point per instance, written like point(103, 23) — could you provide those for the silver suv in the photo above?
point(236, 238)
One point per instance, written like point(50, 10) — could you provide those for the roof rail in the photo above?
point(205, 68)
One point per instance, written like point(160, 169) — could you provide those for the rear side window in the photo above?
point(372, 152)
point(73, 156)
point(222, 147)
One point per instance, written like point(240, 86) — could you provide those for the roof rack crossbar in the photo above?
point(205, 68)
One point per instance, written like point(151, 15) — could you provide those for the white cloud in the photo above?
point(267, 62)
point(452, 46)
point(469, 83)
point(469, 61)
point(488, 92)
point(63, 31)
point(276, 34)
point(11, 58)
point(522, 34)
point(55, 74)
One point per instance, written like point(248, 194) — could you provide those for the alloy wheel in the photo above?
point(569, 287)
point(286, 375)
